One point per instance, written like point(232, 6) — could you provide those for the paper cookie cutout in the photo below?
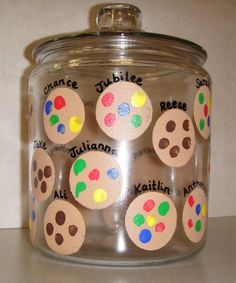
point(95, 180)
point(64, 227)
point(195, 215)
point(124, 111)
point(33, 219)
point(31, 118)
point(202, 111)
point(151, 221)
point(64, 115)
point(174, 138)
point(42, 175)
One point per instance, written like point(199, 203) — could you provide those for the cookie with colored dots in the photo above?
point(151, 220)
point(95, 180)
point(64, 115)
point(202, 111)
point(195, 215)
point(33, 219)
point(31, 117)
point(174, 138)
point(64, 227)
point(42, 175)
point(124, 111)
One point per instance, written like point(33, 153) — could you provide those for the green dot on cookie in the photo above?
point(136, 121)
point(138, 220)
point(80, 187)
point(79, 166)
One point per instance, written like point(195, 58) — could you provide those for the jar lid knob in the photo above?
point(119, 17)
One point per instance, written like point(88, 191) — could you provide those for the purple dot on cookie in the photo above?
point(123, 109)
point(61, 129)
point(208, 121)
point(43, 187)
point(73, 230)
point(59, 239)
point(113, 173)
point(33, 216)
point(49, 229)
point(48, 107)
point(60, 217)
point(47, 171)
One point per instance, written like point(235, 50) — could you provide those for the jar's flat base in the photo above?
point(119, 262)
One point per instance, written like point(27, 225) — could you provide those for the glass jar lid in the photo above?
point(119, 28)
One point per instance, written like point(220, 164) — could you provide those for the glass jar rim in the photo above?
point(126, 38)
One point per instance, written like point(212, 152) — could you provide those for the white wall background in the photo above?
point(210, 23)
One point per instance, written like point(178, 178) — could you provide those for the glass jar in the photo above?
point(119, 134)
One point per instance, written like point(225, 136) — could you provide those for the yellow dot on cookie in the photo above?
point(151, 220)
point(75, 124)
point(204, 210)
point(209, 102)
point(99, 195)
point(138, 99)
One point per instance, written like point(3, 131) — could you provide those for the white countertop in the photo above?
point(20, 263)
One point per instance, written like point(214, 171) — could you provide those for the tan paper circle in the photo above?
point(31, 117)
point(195, 215)
point(64, 227)
point(151, 221)
point(95, 180)
point(42, 175)
point(64, 115)
point(202, 111)
point(33, 220)
point(174, 138)
point(124, 111)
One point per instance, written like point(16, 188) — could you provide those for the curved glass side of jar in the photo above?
point(161, 172)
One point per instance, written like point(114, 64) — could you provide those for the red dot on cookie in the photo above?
point(205, 110)
point(190, 223)
point(94, 175)
point(160, 227)
point(149, 205)
point(109, 119)
point(190, 201)
point(107, 99)
point(59, 102)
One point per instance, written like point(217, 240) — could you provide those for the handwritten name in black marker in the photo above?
point(153, 186)
point(40, 144)
point(117, 77)
point(60, 195)
point(60, 83)
point(200, 83)
point(76, 151)
point(166, 105)
point(192, 186)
